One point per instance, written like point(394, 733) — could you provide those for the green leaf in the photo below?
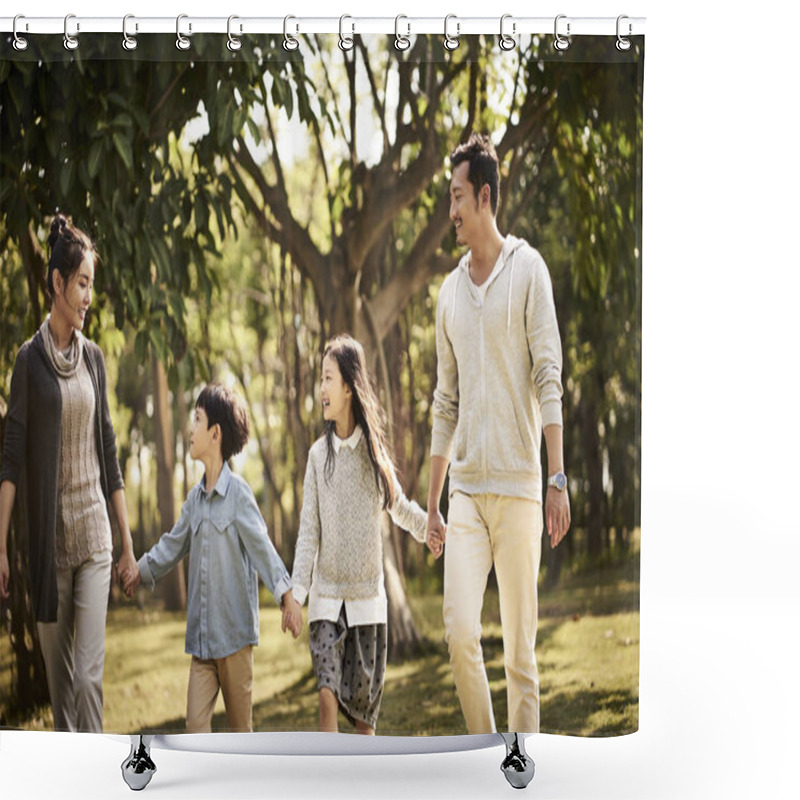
point(140, 346)
point(66, 177)
point(200, 213)
point(254, 131)
point(123, 145)
point(122, 120)
point(95, 157)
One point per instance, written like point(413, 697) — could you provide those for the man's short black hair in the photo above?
point(484, 167)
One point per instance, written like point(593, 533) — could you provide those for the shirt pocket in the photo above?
point(462, 446)
point(221, 517)
point(511, 437)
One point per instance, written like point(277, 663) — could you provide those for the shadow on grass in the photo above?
point(590, 712)
point(420, 699)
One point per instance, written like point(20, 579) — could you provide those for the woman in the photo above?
point(60, 455)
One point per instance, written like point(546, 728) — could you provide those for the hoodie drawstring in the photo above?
point(510, 284)
point(455, 295)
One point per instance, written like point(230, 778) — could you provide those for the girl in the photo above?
point(350, 480)
point(61, 448)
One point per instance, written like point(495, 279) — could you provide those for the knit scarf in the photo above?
point(65, 362)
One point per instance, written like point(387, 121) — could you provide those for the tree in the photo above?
point(99, 137)
point(565, 134)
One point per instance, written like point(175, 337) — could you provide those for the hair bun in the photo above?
point(59, 223)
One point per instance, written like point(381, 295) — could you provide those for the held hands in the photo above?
point(129, 575)
point(436, 533)
point(292, 617)
point(557, 513)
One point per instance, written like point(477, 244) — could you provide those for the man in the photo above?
point(498, 387)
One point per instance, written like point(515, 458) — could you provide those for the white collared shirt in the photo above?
point(351, 441)
point(364, 611)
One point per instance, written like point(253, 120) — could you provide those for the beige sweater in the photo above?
point(82, 524)
point(498, 375)
point(339, 544)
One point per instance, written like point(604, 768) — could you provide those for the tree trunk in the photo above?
point(141, 528)
point(173, 584)
point(403, 638)
point(554, 560)
point(34, 260)
point(594, 471)
point(30, 692)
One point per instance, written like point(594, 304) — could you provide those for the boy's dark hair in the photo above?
point(225, 409)
point(484, 167)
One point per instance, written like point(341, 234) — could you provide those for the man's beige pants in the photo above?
point(482, 530)
point(234, 675)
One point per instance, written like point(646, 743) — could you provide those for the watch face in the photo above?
point(560, 481)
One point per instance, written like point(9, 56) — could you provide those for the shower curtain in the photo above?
point(251, 196)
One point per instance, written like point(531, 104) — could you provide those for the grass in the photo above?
point(587, 649)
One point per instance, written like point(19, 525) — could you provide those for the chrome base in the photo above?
point(138, 768)
point(517, 766)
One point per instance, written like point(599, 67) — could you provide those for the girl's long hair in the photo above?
point(349, 356)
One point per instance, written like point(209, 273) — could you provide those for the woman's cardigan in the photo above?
point(31, 458)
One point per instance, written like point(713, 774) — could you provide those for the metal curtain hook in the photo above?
point(401, 42)
point(506, 40)
point(623, 44)
point(182, 42)
point(234, 44)
point(346, 42)
point(70, 42)
point(129, 42)
point(20, 42)
point(451, 42)
point(560, 42)
point(289, 41)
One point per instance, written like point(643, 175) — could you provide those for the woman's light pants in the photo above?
point(482, 530)
point(74, 646)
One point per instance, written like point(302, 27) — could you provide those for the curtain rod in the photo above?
point(453, 25)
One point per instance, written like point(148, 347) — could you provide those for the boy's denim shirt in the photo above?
point(226, 539)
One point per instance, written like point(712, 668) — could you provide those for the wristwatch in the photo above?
point(558, 481)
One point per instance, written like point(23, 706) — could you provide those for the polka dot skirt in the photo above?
point(351, 662)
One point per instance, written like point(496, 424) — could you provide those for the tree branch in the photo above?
point(291, 235)
point(333, 94)
point(275, 157)
point(531, 115)
point(155, 133)
point(472, 102)
point(420, 266)
point(34, 261)
point(380, 108)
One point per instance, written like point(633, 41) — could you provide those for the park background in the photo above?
point(719, 217)
point(246, 208)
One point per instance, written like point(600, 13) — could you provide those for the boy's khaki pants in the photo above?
point(234, 675)
point(482, 530)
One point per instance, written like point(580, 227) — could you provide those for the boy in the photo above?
point(222, 531)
